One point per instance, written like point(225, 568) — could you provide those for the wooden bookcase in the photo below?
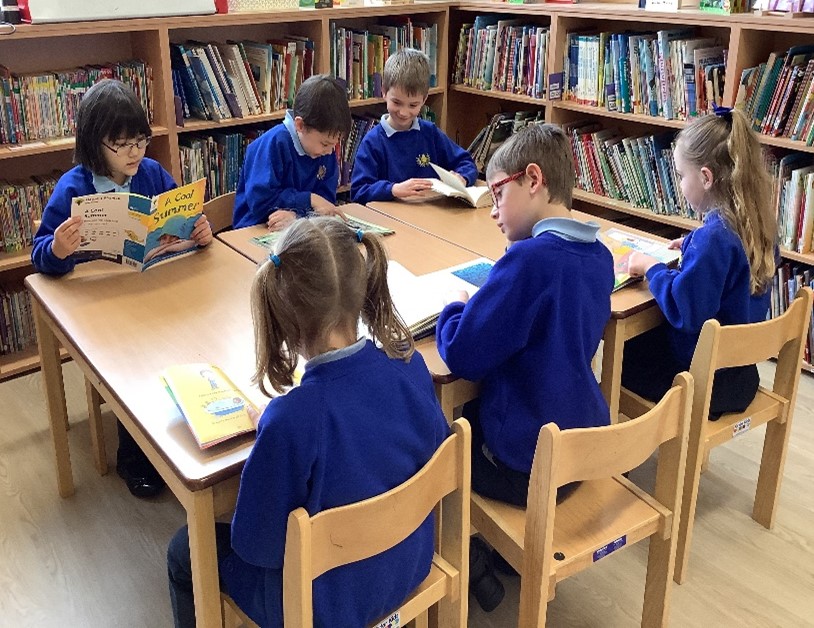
point(461, 111)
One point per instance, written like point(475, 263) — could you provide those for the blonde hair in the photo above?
point(320, 282)
point(741, 188)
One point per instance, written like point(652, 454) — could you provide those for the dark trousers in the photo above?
point(128, 449)
point(179, 572)
point(648, 369)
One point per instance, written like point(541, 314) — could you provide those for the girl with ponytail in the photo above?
point(727, 263)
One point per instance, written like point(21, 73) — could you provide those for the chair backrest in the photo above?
point(357, 531)
point(595, 453)
point(219, 211)
point(738, 345)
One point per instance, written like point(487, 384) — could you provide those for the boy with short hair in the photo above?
point(530, 332)
point(393, 160)
point(291, 169)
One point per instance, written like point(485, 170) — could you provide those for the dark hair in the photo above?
point(109, 110)
point(320, 282)
point(322, 103)
point(547, 146)
point(408, 69)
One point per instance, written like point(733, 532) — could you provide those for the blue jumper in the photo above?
point(712, 282)
point(278, 174)
point(529, 335)
point(386, 157)
point(357, 426)
point(150, 179)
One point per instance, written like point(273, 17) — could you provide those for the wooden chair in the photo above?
point(219, 211)
point(548, 543)
point(357, 531)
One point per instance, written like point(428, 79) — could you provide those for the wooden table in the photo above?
point(417, 251)
point(123, 328)
point(633, 309)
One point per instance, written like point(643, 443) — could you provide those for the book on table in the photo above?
point(622, 244)
point(214, 408)
point(268, 240)
point(137, 231)
point(419, 299)
point(448, 184)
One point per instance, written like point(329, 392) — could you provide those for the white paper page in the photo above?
point(650, 247)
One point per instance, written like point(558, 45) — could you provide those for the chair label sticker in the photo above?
point(741, 427)
point(610, 547)
point(393, 621)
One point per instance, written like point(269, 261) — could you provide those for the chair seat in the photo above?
point(596, 514)
point(765, 407)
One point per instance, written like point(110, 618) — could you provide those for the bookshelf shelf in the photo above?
point(805, 258)
point(784, 142)
point(366, 102)
point(626, 208)
point(52, 145)
point(568, 105)
point(18, 259)
point(193, 125)
point(22, 362)
point(508, 96)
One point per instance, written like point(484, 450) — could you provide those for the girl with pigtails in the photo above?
point(363, 420)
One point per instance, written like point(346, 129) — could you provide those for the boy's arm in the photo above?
point(367, 181)
point(454, 158)
point(57, 211)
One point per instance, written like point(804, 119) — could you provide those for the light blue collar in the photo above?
point(390, 131)
point(336, 354)
point(105, 184)
point(292, 131)
point(567, 229)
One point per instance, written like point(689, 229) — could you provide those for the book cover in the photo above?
point(269, 239)
point(450, 186)
point(212, 405)
point(138, 231)
point(622, 244)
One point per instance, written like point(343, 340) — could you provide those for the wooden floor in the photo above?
point(98, 558)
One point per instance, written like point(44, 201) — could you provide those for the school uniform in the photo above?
point(358, 425)
point(529, 335)
point(713, 281)
point(386, 157)
point(278, 174)
point(150, 179)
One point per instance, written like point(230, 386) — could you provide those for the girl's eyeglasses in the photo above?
point(499, 184)
point(123, 148)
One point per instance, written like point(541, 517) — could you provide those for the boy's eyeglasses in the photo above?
point(123, 148)
point(499, 184)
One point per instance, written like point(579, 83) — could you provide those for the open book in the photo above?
point(268, 240)
point(419, 299)
point(138, 231)
point(212, 405)
point(450, 185)
point(622, 244)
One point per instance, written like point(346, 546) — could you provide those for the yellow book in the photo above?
point(212, 405)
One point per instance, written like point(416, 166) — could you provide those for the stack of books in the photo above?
point(348, 147)
point(37, 106)
point(20, 205)
point(788, 280)
point(499, 129)
point(793, 198)
point(17, 331)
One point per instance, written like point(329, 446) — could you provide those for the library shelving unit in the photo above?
point(749, 38)
point(39, 48)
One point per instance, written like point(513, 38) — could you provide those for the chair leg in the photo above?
point(689, 498)
point(773, 460)
point(97, 433)
point(705, 462)
point(659, 582)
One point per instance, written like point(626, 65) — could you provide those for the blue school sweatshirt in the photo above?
point(278, 174)
point(713, 281)
point(386, 157)
point(150, 179)
point(529, 335)
point(358, 425)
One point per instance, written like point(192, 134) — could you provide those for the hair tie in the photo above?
point(359, 235)
point(275, 259)
point(723, 112)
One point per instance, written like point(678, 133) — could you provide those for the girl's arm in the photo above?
point(56, 213)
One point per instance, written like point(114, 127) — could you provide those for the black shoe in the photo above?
point(502, 565)
point(483, 583)
point(140, 476)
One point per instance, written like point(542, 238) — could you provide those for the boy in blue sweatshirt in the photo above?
point(530, 332)
point(292, 169)
point(393, 160)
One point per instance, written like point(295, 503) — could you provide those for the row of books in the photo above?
point(672, 74)
point(215, 81)
point(793, 198)
point(21, 203)
point(498, 130)
point(358, 56)
point(787, 282)
point(42, 105)
point(636, 169)
point(778, 96)
point(217, 157)
point(502, 55)
point(17, 331)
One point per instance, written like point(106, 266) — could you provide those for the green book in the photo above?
point(268, 240)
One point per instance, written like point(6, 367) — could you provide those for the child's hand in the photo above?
point(456, 296)
point(202, 231)
point(639, 263)
point(66, 237)
point(411, 188)
point(324, 207)
point(255, 415)
point(280, 219)
point(676, 244)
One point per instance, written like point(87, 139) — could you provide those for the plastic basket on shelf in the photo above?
point(262, 5)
